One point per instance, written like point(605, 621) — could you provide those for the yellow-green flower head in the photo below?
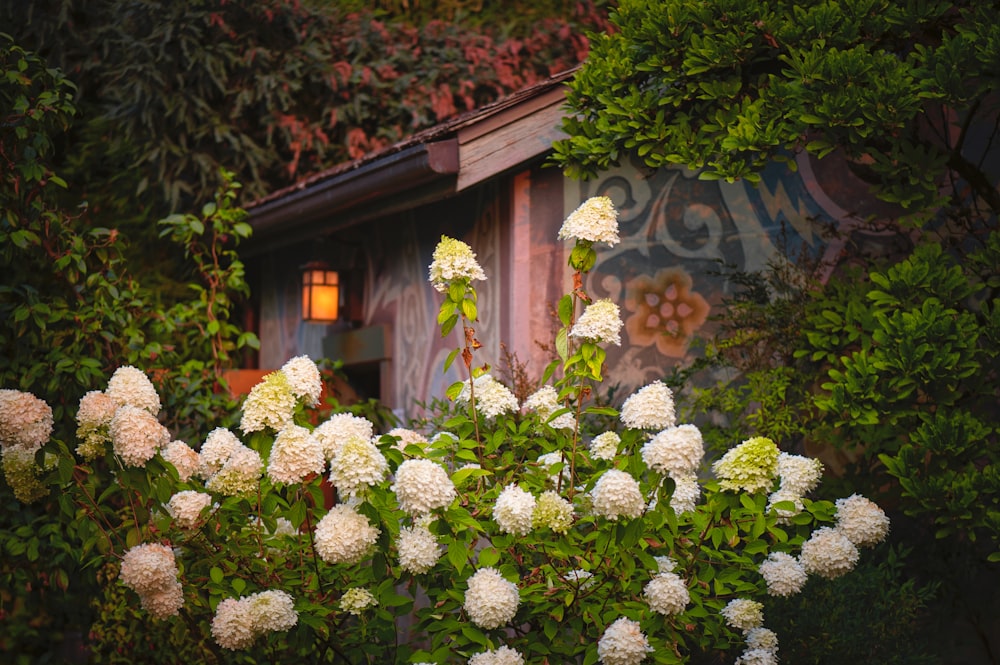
point(553, 511)
point(21, 473)
point(356, 600)
point(750, 466)
point(453, 259)
point(596, 220)
point(270, 404)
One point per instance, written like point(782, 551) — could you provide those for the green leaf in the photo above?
point(216, 574)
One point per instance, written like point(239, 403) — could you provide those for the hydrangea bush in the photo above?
point(513, 534)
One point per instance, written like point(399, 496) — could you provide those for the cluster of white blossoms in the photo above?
point(490, 601)
point(798, 476)
point(675, 450)
point(601, 322)
point(492, 397)
point(418, 549)
point(751, 466)
point(548, 462)
point(136, 435)
point(861, 520)
point(503, 655)
point(295, 455)
point(239, 475)
point(453, 260)
point(783, 574)
point(25, 426)
point(239, 622)
point(25, 420)
point(92, 420)
point(649, 408)
point(270, 404)
point(743, 614)
point(358, 464)
point(183, 457)
point(304, 379)
point(356, 600)
point(341, 427)
point(215, 450)
point(407, 437)
point(514, 510)
point(828, 553)
point(604, 446)
point(185, 507)
point(344, 535)
point(687, 491)
point(150, 570)
point(545, 402)
point(623, 643)
point(129, 386)
point(616, 494)
point(553, 511)
point(595, 220)
point(761, 649)
point(422, 485)
point(667, 593)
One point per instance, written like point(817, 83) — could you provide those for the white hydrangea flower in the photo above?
point(604, 446)
point(665, 564)
point(582, 579)
point(762, 638)
point(92, 420)
point(492, 397)
point(545, 402)
point(750, 466)
point(861, 520)
point(341, 427)
point(799, 475)
point(25, 420)
point(136, 435)
point(418, 549)
point(215, 451)
point(548, 460)
point(270, 404)
point(783, 574)
point(356, 600)
point(743, 614)
point(514, 510)
point(687, 491)
point(651, 408)
point(623, 643)
point(407, 437)
point(239, 475)
point(185, 507)
point(295, 455)
point(675, 450)
point(165, 603)
point(553, 511)
point(183, 457)
point(304, 379)
point(344, 535)
point(595, 220)
point(232, 625)
point(503, 655)
point(667, 594)
point(453, 260)
point(130, 386)
point(491, 601)
point(781, 496)
point(828, 553)
point(421, 486)
point(601, 322)
point(358, 465)
point(271, 610)
point(616, 494)
point(758, 657)
point(149, 568)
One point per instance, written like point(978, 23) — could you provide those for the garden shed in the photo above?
point(482, 177)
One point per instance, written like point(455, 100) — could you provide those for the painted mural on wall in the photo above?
point(677, 234)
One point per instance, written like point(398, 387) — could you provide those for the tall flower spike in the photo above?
point(596, 220)
point(453, 259)
point(601, 322)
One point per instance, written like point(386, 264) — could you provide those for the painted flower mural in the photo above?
point(665, 311)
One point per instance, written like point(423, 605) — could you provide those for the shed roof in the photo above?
point(428, 166)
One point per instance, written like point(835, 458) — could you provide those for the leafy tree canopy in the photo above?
point(727, 87)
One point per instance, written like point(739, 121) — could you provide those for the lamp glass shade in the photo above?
point(320, 295)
